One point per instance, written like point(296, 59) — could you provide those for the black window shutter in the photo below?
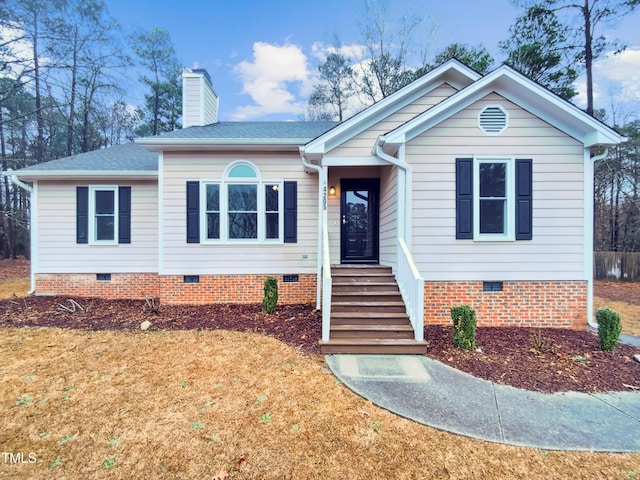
point(464, 198)
point(524, 199)
point(290, 212)
point(82, 214)
point(193, 212)
point(124, 214)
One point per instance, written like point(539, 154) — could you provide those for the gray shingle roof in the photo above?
point(125, 157)
point(303, 131)
point(132, 157)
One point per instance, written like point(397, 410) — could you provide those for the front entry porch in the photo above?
point(367, 307)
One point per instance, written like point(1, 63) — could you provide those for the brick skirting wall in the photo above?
point(520, 303)
point(234, 289)
point(120, 286)
point(172, 289)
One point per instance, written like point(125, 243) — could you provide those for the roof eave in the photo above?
point(31, 175)
point(169, 144)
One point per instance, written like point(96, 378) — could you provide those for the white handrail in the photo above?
point(411, 286)
point(326, 284)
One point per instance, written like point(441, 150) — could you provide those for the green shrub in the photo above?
point(270, 295)
point(609, 328)
point(464, 327)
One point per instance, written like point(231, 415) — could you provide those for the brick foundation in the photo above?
point(171, 289)
point(234, 289)
point(121, 285)
point(520, 303)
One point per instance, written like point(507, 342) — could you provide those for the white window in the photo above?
point(103, 214)
point(494, 203)
point(242, 207)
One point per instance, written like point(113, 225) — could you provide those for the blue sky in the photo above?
point(263, 55)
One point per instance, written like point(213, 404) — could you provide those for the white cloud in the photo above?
point(19, 51)
point(616, 78)
point(355, 52)
point(271, 78)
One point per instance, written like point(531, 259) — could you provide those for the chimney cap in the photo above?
point(199, 72)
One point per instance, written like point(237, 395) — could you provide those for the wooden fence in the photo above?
point(617, 266)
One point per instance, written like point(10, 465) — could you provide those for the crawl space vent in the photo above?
point(493, 120)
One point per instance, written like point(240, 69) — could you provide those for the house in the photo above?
point(458, 188)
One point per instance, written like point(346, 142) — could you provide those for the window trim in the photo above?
point(92, 214)
point(510, 220)
point(224, 183)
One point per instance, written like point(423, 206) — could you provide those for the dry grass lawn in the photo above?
point(226, 405)
point(14, 287)
point(629, 313)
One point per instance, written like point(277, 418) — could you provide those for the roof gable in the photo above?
point(452, 72)
point(523, 92)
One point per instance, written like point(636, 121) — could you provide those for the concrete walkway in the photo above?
point(432, 393)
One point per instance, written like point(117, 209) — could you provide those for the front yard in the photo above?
point(221, 404)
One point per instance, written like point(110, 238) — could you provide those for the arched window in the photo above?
point(242, 206)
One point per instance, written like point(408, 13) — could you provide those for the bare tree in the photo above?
point(583, 25)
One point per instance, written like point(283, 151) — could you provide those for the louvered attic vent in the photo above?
point(493, 120)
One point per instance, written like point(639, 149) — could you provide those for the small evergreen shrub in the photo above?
point(464, 327)
point(270, 298)
point(609, 328)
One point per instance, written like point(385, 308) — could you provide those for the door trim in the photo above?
point(373, 185)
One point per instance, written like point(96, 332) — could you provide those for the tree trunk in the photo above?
point(72, 94)
point(588, 55)
point(39, 148)
point(3, 153)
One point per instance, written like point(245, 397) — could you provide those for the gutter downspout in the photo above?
point(404, 191)
point(16, 181)
point(322, 188)
point(590, 320)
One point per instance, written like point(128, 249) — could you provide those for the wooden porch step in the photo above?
point(369, 318)
point(374, 331)
point(368, 314)
point(373, 346)
point(346, 275)
point(370, 298)
point(338, 287)
point(369, 307)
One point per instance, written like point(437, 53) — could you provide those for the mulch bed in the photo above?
point(506, 355)
point(296, 325)
point(570, 361)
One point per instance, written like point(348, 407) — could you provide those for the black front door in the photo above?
point(359, 212)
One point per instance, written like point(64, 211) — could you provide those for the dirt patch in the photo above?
point(14, 268)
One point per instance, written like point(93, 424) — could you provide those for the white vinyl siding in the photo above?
point(360, 145)
point(556, 251)
point(388, 215)
point(233, 258)
point(191, 101)
point(200, 103)
point(58, 251)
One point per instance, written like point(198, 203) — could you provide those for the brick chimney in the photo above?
point(199, 101)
